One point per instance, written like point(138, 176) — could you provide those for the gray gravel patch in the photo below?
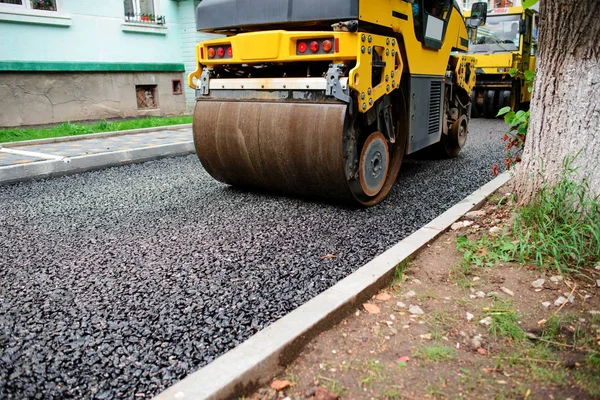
point(117, 283)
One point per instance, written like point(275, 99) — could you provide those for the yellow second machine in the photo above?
point(324, 98)
point(507, 40)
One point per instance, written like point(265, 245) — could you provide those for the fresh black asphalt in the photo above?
point(117, 283)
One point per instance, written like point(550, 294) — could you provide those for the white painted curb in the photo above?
point(263, 355)
point(73, 165)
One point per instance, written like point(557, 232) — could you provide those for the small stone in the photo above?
point(400, 304)
point(597, 267)
point(538, 283)
point(426, 336)
point(494, 230)
point(334, 351)
point(487, 321)
point(598, 282)
point(461, 224)
point(560, 301)
point(416, 310)
point(476, 342)
point(416, 281)
point(476, 278)
point(393, 330)
point(507, 291)
point(482, 351)
point(393, 317)
point(472, 296)
point(475, 214)
point(409, 294)
point(469, 316)
point(480, 294)
point(546, 304)
point(594, 312)
point(556, 278)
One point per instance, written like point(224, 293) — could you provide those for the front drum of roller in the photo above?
point(292, 148)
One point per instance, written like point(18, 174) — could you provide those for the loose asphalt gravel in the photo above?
point(117, 283)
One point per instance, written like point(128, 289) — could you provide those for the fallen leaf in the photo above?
point(489, 370)
point(280, 385)
point(502, 382)
point(541, 322)
point(371, 308)
point(383, 297)
point(328, 256)
point(482, 351)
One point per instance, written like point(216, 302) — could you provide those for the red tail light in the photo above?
point(220, 52)
point(211, 53)
point(301, 47)
point(337, 45)
point(230, 51)
point(326, 46)
point(314, 46)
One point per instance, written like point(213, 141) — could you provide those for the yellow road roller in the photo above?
point(324, 98)
point(507, 40)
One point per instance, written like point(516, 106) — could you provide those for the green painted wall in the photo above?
point(95, 34)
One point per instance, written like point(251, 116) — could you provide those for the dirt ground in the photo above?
point(446, 328)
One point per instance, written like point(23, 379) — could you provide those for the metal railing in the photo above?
point(145, 19)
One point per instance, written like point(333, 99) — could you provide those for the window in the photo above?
point(177, 86)
point(142, 11)
point(146, 96)
point(499, 34)
point(44, 5)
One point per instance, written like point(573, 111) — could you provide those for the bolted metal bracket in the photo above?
point(205, 81)
point(334, 87)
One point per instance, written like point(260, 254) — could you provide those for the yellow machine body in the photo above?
point(495, 87)
point(332, 111)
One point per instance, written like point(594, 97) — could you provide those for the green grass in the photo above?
point(72, 129)
point(392, 393)
point(435, 352)
point(561, 227)
point(558, 230)
point(375, 373)
point(504, 320)
point(399, 276)
point(334, 386)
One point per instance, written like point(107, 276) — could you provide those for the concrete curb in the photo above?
point(73, 165)
point(93, 136)
point(263, 355)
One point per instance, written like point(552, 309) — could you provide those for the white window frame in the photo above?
point(26, 8)
point(137, 7)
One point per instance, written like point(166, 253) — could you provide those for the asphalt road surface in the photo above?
point(117, 283)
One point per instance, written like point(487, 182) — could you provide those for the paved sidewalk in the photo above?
point(86, 146)
point(73, 154)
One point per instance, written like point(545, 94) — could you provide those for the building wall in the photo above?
point(189, 38)
point(86, 62)
point(97, 32)
point(28, 98)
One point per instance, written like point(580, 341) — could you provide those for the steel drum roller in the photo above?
point(287, 147)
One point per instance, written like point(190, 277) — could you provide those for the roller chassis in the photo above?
point(365, 85)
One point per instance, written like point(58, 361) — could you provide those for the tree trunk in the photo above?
point(565, 104)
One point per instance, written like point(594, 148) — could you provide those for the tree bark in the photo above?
point(565, 104)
